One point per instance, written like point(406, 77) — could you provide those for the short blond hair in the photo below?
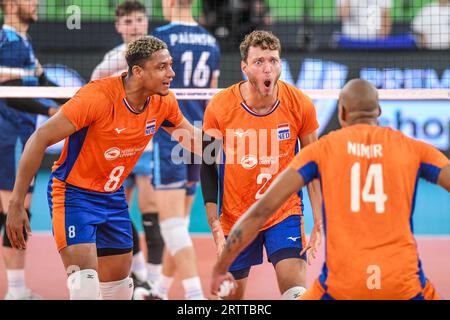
point(260, 39)
point(142, 49)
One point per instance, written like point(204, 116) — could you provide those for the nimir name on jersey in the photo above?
point(365, 151)
point(192, 38)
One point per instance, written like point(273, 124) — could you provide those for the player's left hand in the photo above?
point(315, 241)
point(223, 284)
point(16, 221)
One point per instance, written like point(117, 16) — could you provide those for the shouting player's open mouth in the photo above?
point(267, 85)
point(166, 84)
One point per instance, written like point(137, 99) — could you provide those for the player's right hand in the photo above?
point(219, 237)
point(16, 221)
point(223, 284)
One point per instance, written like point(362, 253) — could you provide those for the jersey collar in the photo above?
point(10, 28)
point(125, 101)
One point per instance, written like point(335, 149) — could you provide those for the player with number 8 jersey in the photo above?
point(97, 158)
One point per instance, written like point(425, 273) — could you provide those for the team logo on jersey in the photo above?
point(150, 127)
point(284, 132)
point(249, 162)
point(112, 153)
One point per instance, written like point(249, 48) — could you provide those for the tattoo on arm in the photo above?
point(234, 239)
point(211, 220)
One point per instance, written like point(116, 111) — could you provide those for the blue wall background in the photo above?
point(431, 215)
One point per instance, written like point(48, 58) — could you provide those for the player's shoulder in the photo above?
point(9, 35)
point(163, 32)
point(170, 98)
point(291, 93)
point(225, 98)
point(164, 28)
point(375, 132)
point(392, 134)
point(103, 90)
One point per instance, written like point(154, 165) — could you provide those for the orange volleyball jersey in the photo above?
point(369, 178)
point(110, 135)
point(256, 147)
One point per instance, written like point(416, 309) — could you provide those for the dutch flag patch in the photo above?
point(284, 132)
point(150, 127)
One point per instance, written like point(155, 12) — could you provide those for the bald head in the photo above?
point(358, 100)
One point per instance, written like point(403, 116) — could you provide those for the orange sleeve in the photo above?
point(210, 123)
point(306, 162)
point(431, 161)
point(174, 114)
point(308, 115)
point(85, 107)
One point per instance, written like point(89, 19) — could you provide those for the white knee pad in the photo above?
point(117, 290)
point(84, 285)
point(293, 293)
point(175, 234)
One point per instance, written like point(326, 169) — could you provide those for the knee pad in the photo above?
point(154, 240)
point(6, 242)
point(117, 290)
point(175, 234)
point(84, 285)
point(293, 293)
point(136, 246)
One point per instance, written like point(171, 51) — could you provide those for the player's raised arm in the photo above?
point(248, 226)
point(54, 130)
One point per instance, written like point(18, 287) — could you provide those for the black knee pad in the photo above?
point(6, 242)
point(136, 246)
point(155, 242)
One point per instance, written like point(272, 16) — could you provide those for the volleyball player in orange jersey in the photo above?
point(260, 122)
point(369, 178)
point(107, 125)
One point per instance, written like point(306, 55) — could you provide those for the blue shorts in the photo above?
point(143, 167)
point(172, 169)
point(12, 141)
point(282, 241)
point(83, 216)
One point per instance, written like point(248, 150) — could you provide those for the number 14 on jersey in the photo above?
point(374, 179)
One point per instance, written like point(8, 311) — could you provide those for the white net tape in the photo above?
point(206, 94)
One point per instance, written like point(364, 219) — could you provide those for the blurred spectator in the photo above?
point(216, 17)
point(365, 19)
point(432, 25)
point(249, 15)
point(238, 16)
